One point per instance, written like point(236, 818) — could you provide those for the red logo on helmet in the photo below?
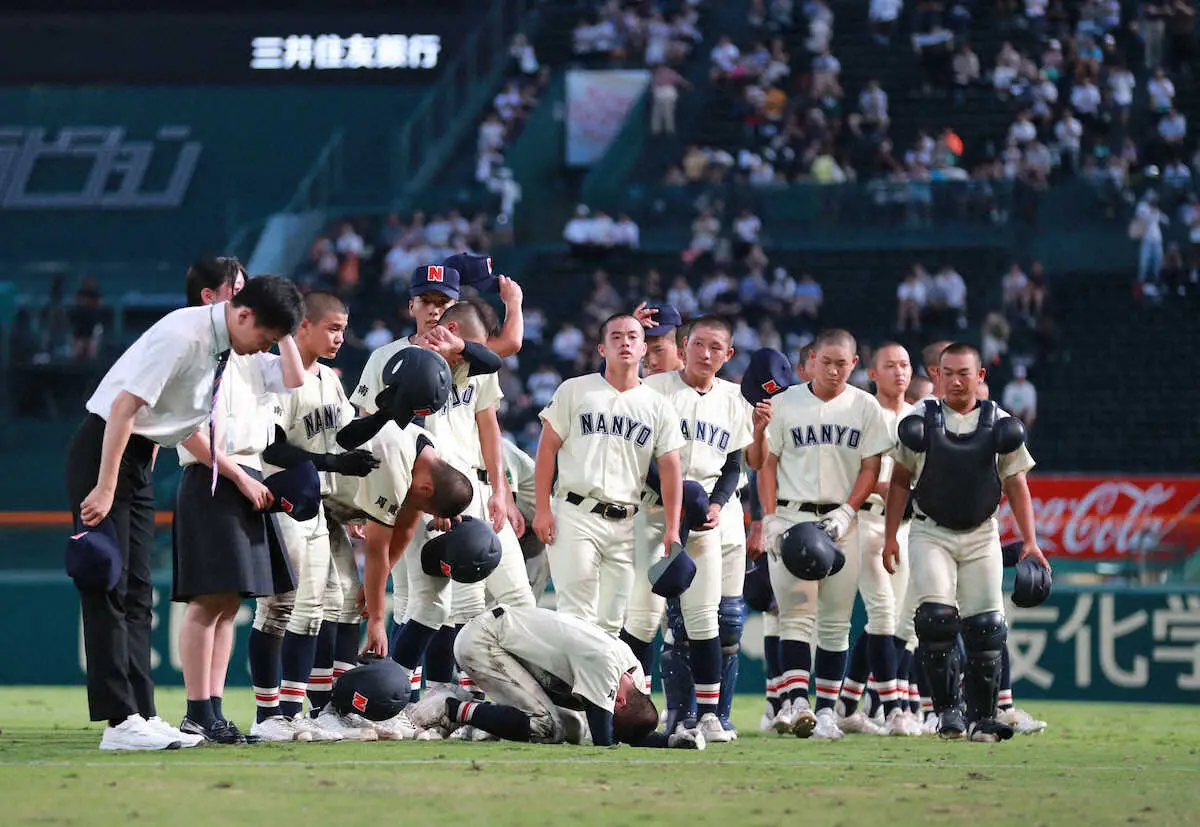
point(445, 568)
point(359, 702)
point(771, 386)
point(285, 505)
point(436, 273)
point(423, 412)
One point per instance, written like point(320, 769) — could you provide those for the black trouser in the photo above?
point(117, 623)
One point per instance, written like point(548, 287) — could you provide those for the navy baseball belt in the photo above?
point(483, 476)
point(609, 511)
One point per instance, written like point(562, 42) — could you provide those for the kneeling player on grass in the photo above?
point(553, 678)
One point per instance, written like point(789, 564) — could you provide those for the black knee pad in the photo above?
point(731, 617)
point(937, 625)
point(984, 632)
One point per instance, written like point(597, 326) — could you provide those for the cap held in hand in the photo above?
point(671, 576)
point(93, 558)
point(297, 491)
point(467, 553)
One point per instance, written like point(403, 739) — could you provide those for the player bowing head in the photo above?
point(831, 361)
point(708, 346)
point(891, 370)
point(961, 372)
point(622, 340)
point(324, 327)
point(267, 309)
point(634, 713)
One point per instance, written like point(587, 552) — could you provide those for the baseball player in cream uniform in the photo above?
point(519, 468)
point(715, 423)
point(880, 649)
point(602, 431)
point(824, 445)
point(957, 572)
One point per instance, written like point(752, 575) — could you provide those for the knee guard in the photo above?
point(937, 626)
point(983, 638)
point(731, 618)
point(674, 663)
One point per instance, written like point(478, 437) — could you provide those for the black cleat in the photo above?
point(218, 732)
point(951, 725)
point(989, 731)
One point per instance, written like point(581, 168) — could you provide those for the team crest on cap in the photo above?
point(436, 273)
point(771, 386)
point(285, 505)
point(359, 702)
point(445, 568)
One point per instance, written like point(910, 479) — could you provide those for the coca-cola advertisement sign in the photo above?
point(1111, 517)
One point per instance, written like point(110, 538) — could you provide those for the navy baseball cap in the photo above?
point(768, 373)
point(666, 319)
point(695, 508)
point(297, 491)
point(467, 553)
point(93, 558)
point(671, 576)
point(435, 278)
point(474, 270)
point(416, 383)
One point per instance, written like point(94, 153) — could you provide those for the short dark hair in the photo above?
point(604, 325)
point(321, 303)
point(276, 302)
point(471, 315)
point(932, 353)
point(884, 346)
point(452, 491)
point(210, 273)
point(836, 337)
point(710, 320)
point(961, 349)
point(636, 720)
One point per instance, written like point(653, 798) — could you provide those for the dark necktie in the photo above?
point(222, 361)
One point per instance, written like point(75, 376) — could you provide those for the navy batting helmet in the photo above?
point(1032, 584)
point(466, 553)
point(416, 383)
point(809, 553)
point(377, 690)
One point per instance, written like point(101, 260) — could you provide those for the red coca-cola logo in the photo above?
point(1097, 517)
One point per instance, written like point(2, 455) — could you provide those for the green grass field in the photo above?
point(1098, 764)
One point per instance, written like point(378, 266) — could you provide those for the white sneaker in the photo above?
point(826, 728)
point(135, 734)
point(930, 727)
point(899, 724)
point(277, 729)
point(878, 720)
point(710, 727)
point(858, 724)
point(683, 738)
point(430, 711)
point(350, 727)
point(399, 727)
point(430, 735)
point(304, 725)
point(782, 722)
point(463, 733)
point(185, 739)
point(1021, 721)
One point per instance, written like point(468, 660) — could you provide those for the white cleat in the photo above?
point(312, 728)
point(858, 724)
point(430, 711)
point(277, 729)
point(463, 733)
point(710, 727)
point(931, 724)
point(782, 722)
point(767, 722)
point(399, 727)
point(350, 727)
point(430, 735)
point(185, 739)
point(135, 734)
point(1021, 721)
point(684, 738)
point(826, 728)
point(899, 724)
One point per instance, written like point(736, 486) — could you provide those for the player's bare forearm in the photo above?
point(670, 471)
point(756, 452)
point(1016, 488)
point(291, 363)
point(402, 533)
point(544, 465)
point(767, 484)
point(864, 483)
point(492, 448)
point(117, 430)
point(198, 446)
point(377, 567)
point(897, 501)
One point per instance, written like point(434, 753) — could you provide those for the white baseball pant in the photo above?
point(300, 611)
point(733, 547)
point(771, 623)
point(877, 587)
point(826, 604)
point(481, 653)
point(698, 604)
point(591, 564)
point(906, 595)
point(431, 600)
point(344, 584)
point(963, 568)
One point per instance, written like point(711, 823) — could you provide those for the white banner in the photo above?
point(597, 104)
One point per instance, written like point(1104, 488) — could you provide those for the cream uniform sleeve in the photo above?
point(560, 410)
point(371, 382)
point(776, 428)
point(877, 437)
point(667, 436)
point(383, 491)
point(1015, 462)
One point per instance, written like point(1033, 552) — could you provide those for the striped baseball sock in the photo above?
point(795, 661)
point(465, 682)
point(320, 680)
point(881, 653)
point(505, 722)
point(1006, 698)
point(296, 656)
point(829, 668)
point(857, 670)
point(265, 672)
point(774, 673)
point(414, 684)
point(706, 668)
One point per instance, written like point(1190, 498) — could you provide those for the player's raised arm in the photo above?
point(543, 480)
point(291, 363)
point(513, 332)
point(756, 451)
point(768, 484)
